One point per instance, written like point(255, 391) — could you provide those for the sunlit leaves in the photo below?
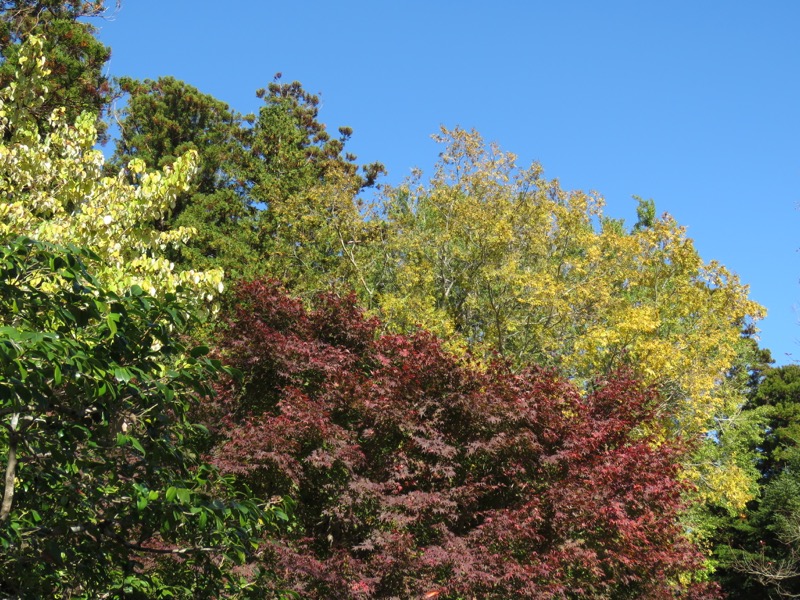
point(54, 190)
point(498, 259)
point(77, 82)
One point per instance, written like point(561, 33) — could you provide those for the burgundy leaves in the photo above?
point(415, 470)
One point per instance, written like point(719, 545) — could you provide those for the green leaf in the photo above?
point(172, 491)
point(11, 333)
point(198, 351)
point(279, 514)
point(183, 495)
point(122, 374)
point(136, 444)
point(111, 321)
point(23, 372)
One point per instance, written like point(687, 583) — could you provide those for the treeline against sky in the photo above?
point(237, 364)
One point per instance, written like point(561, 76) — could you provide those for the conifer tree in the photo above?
point(75, 57)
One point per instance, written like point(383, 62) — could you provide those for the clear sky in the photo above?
point(693, 104)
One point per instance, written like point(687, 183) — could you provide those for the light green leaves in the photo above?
point(55, 190)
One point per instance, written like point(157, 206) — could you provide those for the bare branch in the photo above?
point(140, 548)
point(770, 573)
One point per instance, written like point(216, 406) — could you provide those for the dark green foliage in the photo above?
point(289, 150)
point(165, 118)
point(760, 548)
point(307, 186)
point(104, 494)
point(777, 399)
point(250, 170)
point(162, 120)
point(76, 58)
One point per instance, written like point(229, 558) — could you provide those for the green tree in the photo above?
point(309, 186)
point(166, 118)
point(272, 187)
point(75, 57)
point(290, 150)
point(104, 493)
point(777, 399)
point(759, 549)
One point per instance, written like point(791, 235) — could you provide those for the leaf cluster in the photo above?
point(54, 189)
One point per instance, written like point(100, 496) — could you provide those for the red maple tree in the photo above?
point(417, 473)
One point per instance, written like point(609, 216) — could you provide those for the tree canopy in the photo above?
point(499, 260)
point(54, 190)
point(76, 58)
point(416, 472)
point(271, 189)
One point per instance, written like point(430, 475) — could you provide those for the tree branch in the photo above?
point(138, 547)
point(770, 573)
point(11, 470)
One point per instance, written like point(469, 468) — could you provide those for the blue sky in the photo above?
point(693, 104)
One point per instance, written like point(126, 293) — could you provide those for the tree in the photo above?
point(290, 150)
point(163, 120)
point(777, 399)
point(55, 191)
point(75, 57)
point(498, 259)
point(759, 548)
point(274, 190)
point(308, 185)
point(104, 494)
point(421, 474)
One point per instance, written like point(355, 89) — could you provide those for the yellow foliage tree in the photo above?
point(500, 260)
point(53, 189)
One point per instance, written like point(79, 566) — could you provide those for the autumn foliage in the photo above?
point(418, 472)
point(552, 405)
